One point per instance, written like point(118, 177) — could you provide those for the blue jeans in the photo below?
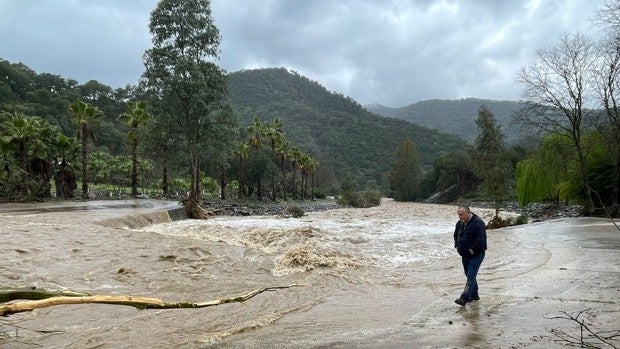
point(471, 265)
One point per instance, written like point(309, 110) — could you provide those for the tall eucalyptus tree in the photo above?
point(189, 87)
point(405, 173)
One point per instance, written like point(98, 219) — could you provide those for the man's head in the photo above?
point(464, 213)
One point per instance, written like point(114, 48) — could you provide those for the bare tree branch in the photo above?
point(45, 299)
point(587, 338)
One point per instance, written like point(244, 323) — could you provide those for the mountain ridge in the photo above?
point(358, 145)
point(457, 117)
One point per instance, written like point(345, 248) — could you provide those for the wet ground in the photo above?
point(384, 277)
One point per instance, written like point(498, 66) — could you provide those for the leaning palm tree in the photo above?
point(136, 117)
point(86, 116)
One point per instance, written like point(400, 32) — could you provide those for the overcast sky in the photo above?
point(375, 51)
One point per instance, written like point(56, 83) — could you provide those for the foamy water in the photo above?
point(341, 241)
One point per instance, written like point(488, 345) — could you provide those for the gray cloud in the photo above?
point(390, 52)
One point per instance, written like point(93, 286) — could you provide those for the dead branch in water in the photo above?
point(587, 337)
point(43, 298)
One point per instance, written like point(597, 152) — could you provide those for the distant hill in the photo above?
point(457, 117)
point(358, 145)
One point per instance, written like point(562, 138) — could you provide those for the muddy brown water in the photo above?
point(383, 277)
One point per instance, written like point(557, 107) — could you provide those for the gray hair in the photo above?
point(465, 207)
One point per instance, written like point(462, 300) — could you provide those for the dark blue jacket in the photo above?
point(472, 235)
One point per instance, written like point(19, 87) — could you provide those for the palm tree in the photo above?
point(312, 165)
point(19, 131)
point(29, 138)
point(243, 151)
point(295, 158)
point(86, 116)
point(135, 117)
point(273, 131)
point(66, 149)
point(256, 133)
point(305, 165)
point(283, 147)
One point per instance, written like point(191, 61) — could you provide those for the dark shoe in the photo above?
point(476, 298)
point(460, 301)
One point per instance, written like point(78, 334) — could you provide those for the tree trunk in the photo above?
point(84, 162)
point(134, 167)
point(222, 183)
point(164, 181)
point(195, 191)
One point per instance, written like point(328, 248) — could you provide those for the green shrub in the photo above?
point(319, 194)
point(521, 219)
point(367, 198)
point(294, 211)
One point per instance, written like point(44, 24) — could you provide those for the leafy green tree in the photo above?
point(405, 172)
point(136, 117)
point(187, 85)
point(544, 175)
point(490, 161)
point(454, 169)
point(221, 150)
point(86, 116)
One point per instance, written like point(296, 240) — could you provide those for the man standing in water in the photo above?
point(470, 240)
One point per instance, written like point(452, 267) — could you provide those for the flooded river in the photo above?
point(383, 277)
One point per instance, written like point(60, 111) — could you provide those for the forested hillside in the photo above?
point(357, 145)
point(457, 117)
